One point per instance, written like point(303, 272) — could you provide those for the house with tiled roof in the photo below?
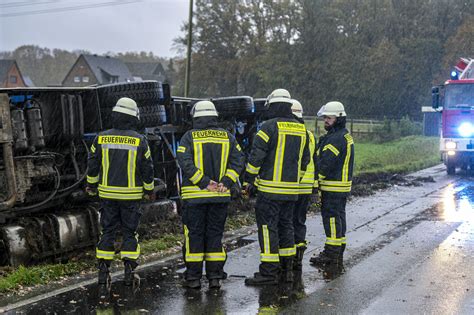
point(147, 70)
point(10, 74)
point(94, 69)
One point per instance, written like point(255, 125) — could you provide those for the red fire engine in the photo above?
point(455, 99)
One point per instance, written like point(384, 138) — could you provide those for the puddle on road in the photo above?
point(457, 203)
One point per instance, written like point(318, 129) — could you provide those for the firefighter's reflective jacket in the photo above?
point(120, 164)
point(279, 158)
point(205, 155)
point(309, 180)
point(335, 161)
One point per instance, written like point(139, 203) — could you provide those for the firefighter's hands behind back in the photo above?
point(150, 197)
point(91, 191)
point(250, 190)
point(212, 186)
point(221, 188)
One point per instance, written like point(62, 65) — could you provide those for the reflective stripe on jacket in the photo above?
point(279, 158)
point(205, 155)
point(335, 161)
point(309, 180)
point(120, 164)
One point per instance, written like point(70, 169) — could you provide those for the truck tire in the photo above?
point(259, 104)
point(239, 106)
point(145, 93)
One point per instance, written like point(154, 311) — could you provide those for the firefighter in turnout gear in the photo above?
point(211, 161)
point(120, 170)
point(277, 162)
point(308, 193)
point(335, 163)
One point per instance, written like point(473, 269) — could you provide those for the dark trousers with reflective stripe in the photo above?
point(115, 216)
point(299, 219)
point(275, 233)
point(333, 211)
point(203, 225)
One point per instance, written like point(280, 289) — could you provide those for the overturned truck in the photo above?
point(45, 135)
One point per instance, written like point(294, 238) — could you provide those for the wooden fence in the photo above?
point(357, 127)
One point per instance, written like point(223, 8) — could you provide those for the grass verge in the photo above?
point(21, 277)
point(43, 274)
point(401, 156)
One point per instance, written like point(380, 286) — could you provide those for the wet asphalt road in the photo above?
point(410, 251)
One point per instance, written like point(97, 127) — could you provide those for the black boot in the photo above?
point(341, 255)
point(214, 283)
point(105, 282)
point(258, 279)
point(329, 256)
point(298, 261)
point(129, 275)
point(192, 284)
point(286, 269)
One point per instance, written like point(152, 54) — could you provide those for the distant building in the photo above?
point(10, 75)
point(93, 69)
point(147, 70)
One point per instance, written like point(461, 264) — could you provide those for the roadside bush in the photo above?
point(395, 129)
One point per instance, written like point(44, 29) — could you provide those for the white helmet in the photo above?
point(332, 109)
point(203, 109)
point(297, 109)
point(279, 96)
point(127, 106)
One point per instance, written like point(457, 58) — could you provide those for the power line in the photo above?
point(71, 8)
point(24, 3)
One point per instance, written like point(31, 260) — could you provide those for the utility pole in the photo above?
point(190, 44)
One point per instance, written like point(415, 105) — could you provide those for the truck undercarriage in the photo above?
point(45, 134)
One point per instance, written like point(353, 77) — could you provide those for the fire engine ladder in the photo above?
point(468, 71)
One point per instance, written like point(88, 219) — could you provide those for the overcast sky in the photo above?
point(95, 25)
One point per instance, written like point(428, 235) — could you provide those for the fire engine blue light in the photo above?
point(466, 130)
point(454, 75)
